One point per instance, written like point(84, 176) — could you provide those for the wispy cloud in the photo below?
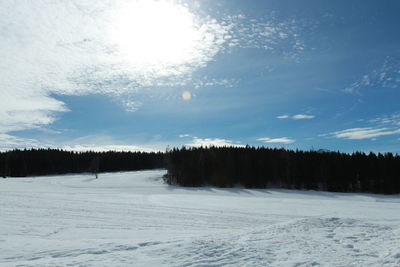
point(83, 53)
point(87, 51)
point(393, 119)
point(364, 133)
point(269, 33)
point(373, 128)
point(296, 117)
point(9, 142)
point(385, 76)
point(355, 87)
point(280, 140)
point(104, 148)
point(217, 142)
point(282, 117)
point(206, 82)
point(302, 117)
point(85, 143)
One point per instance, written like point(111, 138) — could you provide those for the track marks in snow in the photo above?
point(81, 256)
point(127, 219)
point(305, 242)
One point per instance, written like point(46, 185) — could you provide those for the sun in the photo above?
point(156, 36)
point(186, 95)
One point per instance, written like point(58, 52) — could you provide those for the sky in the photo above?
point(150, 75)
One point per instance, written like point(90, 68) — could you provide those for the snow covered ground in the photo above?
point(133, 219)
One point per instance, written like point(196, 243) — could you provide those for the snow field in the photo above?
point(133, 219)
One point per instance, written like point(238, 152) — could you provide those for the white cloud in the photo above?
point(73, 48)
point(387, 75)
point(206, 82)
point(217, 142)
point(282, 117)
point(379, 126)
point(302, 117)
point(106, 142)
point(78, 47)
point(393, 119)
point(268, 33)
point(104, 148)
point(355, 87)
point(8, 142)
point(296, 117)
point(206, 142)
point(97, 143)
point(364, 133)
point(131, 105)
point(281, 140)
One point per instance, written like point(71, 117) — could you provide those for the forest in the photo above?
point(260, 167)
point(250, 167)
point(32, 162)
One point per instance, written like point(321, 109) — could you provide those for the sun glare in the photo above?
point(155, 36)
point(186, 95)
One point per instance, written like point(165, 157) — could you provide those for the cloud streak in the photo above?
point(385, 76)
point(8, 142)
point(105, 148)
point(282, 117)
point(296, 117)
point(302, 117)
point(81, 144)
point(379, 126)
point(364, 133)
point(280, 140)
point(217, 142)
point(393, 119)
point(268, 33)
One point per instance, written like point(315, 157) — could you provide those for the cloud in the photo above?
point(296, 117)
point(387, 75)
point(206, 142)
point(393, 119)
point(207, 82)
point(105, 143)
point(302, 117)
point(131, 105)
point(355, 87)
point(104, 148)
point(217, 142)
point(72, 48)
point(51, 48)
point(97, 143)
point(268, 33)
point(282, 117)
point(281, 140)
point(364, 133)
point(379, 126)
point(9, 142)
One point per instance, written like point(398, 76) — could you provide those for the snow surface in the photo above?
point(133, 219)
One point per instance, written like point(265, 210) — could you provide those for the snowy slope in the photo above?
point(133, 219)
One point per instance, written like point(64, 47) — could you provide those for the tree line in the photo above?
point(259, 167)
point(251, 167)
point(32, 162)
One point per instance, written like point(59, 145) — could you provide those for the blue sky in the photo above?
point(144, 75)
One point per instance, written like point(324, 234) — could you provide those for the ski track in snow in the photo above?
point(133, 219)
